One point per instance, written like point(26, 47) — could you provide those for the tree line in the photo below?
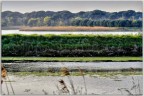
point(128, 18)
point(107, 23)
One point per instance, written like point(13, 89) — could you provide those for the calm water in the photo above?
point(72, 65)
point(95, 85)
point(60, 32)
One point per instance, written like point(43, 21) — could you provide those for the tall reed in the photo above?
point(65, 72)
point(5, 75)
point(82, 74)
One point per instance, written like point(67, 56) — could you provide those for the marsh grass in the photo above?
point(65, 72)
point(69, 28)
point(64, 88)
point(135, 86)
point(82, 74)
point(101, 74)
point(4, 75)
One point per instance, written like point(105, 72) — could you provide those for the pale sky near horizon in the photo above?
point(73, 6)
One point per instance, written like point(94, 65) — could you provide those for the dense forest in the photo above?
point(71, 45)
point(128, 18)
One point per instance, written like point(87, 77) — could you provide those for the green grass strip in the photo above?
point(101, 74)
point(71, 59)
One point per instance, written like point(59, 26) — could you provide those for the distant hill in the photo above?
point(128, 18)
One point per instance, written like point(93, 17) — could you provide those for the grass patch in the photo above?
point(101, 74)
point(70, 59)
point(109, 74)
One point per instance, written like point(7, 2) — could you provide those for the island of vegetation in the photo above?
point(69, 45)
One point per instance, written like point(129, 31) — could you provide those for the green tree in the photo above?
point(32, 22)
point(46, 20)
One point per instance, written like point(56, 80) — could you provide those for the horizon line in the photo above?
point(71, 11)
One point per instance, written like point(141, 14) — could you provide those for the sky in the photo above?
point(73, 6)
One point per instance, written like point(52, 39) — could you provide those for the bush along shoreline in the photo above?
point(71, 45)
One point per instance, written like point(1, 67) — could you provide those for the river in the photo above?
point(43, 66)
point(64, 32)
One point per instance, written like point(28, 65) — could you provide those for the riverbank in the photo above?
point(71, 59)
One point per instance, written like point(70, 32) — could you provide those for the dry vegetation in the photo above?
point(5, 77)
point(68, 28)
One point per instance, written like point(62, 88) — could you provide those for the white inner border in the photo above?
point(66, 0)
